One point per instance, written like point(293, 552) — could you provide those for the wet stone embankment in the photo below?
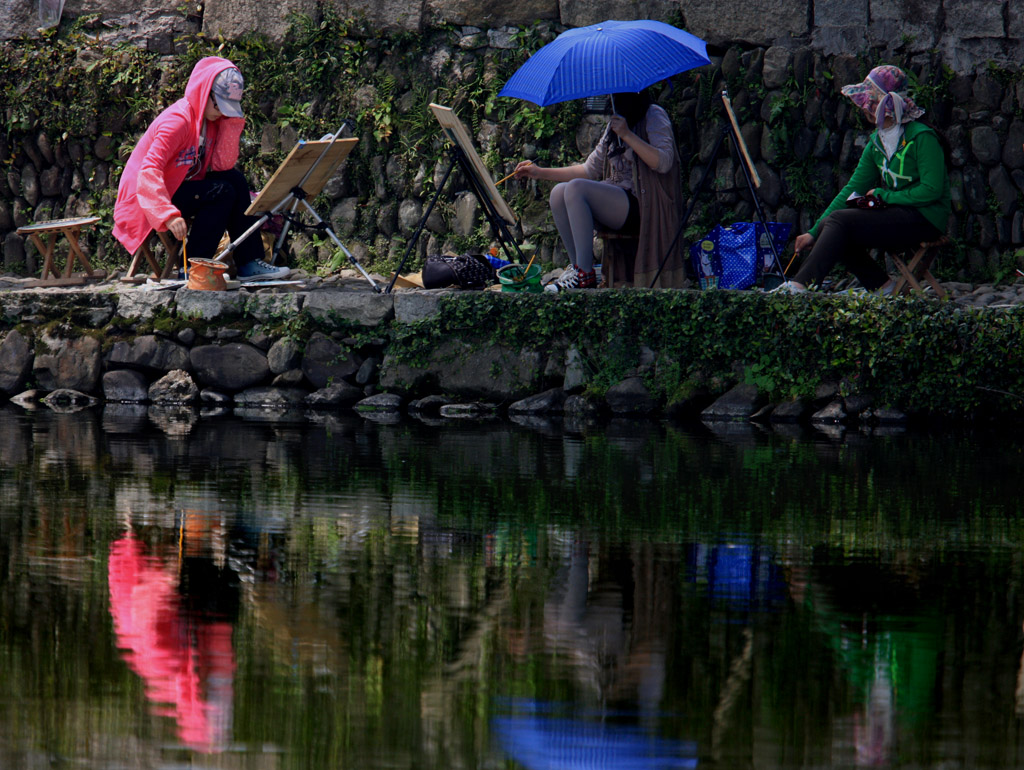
point(338, 345)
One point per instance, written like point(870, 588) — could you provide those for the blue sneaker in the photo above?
point(258, 270)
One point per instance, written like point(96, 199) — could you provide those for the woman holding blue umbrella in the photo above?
point(630, 183)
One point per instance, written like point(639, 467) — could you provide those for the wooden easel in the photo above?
point(71, 229)
point(496, 209)
point(730, 130)
point(302, 175)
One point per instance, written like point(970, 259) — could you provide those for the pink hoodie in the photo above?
point(165, 153)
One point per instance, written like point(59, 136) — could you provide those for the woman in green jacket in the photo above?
point(897, 198)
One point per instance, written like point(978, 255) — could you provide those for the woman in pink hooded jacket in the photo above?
point(184, 168)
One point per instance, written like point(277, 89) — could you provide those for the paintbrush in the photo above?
point(505, 179)
point(526, 272)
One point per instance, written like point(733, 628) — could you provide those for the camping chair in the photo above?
point(917, 268)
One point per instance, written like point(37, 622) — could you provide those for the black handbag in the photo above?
point(467, 271)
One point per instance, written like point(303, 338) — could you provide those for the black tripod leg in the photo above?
point(419, 228)
point(490, 212)
point(693, 201)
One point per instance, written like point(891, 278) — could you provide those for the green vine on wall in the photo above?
point(913, 354)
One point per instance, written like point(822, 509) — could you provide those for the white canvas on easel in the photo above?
point(294, 168)
point(301, 176)
point(456, 132)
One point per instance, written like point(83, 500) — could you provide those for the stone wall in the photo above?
point(966, 33)
point(794, 120)
point(786, 94)
point(338, 348)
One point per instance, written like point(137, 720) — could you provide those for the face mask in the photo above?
point(890, 138)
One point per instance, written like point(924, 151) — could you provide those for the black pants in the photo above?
point(848, 234)
point(214, 204)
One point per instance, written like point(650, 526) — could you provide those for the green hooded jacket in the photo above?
point(914, 176)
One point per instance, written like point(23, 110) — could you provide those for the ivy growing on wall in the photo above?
point(910, 353)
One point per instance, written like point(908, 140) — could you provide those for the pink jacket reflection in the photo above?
point(187, 667)
point(165, 154)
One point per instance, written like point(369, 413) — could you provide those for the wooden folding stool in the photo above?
point(918, 268)
point(618, 258)
point(146, 252)
point(71, 229)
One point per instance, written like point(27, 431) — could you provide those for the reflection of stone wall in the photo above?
point(967, 33)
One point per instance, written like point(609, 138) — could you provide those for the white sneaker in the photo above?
point(258, 270)
point(569, 279)
point(788, 287)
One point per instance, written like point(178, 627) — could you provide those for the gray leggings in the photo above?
point(576, 205)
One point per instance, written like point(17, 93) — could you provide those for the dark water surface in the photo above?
point(350, 594)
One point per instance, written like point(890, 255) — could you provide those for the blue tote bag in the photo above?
point(735, 256)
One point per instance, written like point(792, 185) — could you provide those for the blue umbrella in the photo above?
point(606, 58)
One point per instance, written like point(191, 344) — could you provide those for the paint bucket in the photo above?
point(206, 275)
point(515, 277)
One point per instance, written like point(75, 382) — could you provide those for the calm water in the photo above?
point(248, 593)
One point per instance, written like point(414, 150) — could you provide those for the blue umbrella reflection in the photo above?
point(541, 736)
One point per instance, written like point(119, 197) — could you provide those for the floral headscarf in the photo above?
point(887, 86)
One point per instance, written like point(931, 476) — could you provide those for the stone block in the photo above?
point(175, 387)
point(125, 385)
point(550, 401)
point(732, 20)
point(325, 361)
point(144, 305)
point(838, 40)
point(338, 394)
point(230, 367)
point(485, 12)
point(387, 16)
point(274, 308)
point(15, 362)
point(630, 396)
point(151, 353)
point(967, 19)
point(738, 404)
point(911, 22)
point(210, 305)
point(271, 396)
point(580, 13)
point(233, 18)
point(412, 306)
point(361, 308)
point(72, 364)
point(457, 368)
point(776, 68)
point(284, 355)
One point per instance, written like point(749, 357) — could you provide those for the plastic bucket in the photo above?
point(206, 275)
point(515, 277)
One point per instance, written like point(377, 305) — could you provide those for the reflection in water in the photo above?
point(352, 594)
point(542, 736)
point(183, 654)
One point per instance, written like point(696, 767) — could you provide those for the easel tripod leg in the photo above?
point(337, 242)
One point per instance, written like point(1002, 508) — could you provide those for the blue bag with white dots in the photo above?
point(734, 256)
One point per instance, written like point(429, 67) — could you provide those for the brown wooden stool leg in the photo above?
point(75, 253)
point(172, 247)
point(46, 249)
